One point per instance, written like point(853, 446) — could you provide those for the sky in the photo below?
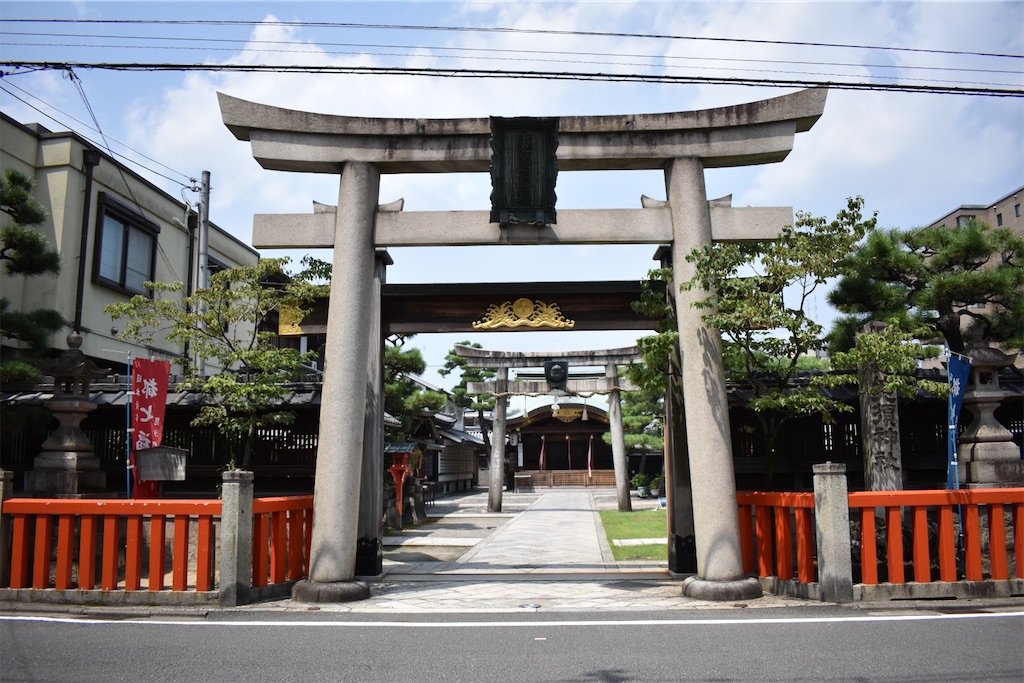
point(913, 156)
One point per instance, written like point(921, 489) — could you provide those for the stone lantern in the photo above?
point(987, 449)
point(67, 467)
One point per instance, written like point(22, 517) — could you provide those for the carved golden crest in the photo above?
point(523, 312)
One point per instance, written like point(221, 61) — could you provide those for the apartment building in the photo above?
point(114, 230)
point(1003, 213)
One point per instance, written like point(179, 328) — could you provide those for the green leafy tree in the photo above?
point(460, 394)
point(230, 324)
point(25, 252)
point(760, 299)
point(882, 363)
point(948, 279)
point(404, 399)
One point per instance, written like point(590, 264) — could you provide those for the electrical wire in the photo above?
point(334, 53)
point(1007, 91)
point(523, 31)
point(504, 51)
point(123, 158)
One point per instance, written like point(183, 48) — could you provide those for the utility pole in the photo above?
point(204, 231)
point(203, 274)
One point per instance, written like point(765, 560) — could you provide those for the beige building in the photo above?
point(1003, 213)
point(114, 231)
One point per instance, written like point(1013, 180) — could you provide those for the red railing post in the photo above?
point(157, 551)
point(783, 543)
point(87, 553)
point(972, 539)
point(922, 557)
point(41, 559)
point(805, 545)
point(947, 544)
point(179, 563)
point(763, 531)
point(65, 551)
point(894, 544)
point(111, 544)
point(133, 554)
point(747, 537)
point(204, 553)
point(997, 542)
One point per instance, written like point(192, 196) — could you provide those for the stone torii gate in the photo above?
point(361, 149)
point(502, 361)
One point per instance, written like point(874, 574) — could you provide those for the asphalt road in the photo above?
point(818, 644)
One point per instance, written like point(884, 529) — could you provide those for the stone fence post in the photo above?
point(832, 526)
point(6, 492)
point(236, 538)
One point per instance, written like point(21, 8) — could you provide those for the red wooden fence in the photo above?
point(767, 522)
point(89, 536)
point(281, 533)
point(103, 541)
point(771, 523)
point(913, 510)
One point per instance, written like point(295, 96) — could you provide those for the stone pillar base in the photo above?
point(720, 591)
point(65, 483)
point(338, 591)
point(995, 473)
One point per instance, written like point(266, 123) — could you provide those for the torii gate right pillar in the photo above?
point(720, 573)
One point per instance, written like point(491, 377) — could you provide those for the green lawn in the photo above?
point(636, 524)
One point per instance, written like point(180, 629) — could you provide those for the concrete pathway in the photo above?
point(545, 552)
point(561, 531)
point(555, 531)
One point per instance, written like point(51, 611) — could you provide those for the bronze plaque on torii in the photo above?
point(524, 170)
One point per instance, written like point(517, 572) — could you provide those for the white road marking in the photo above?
point(85, 621)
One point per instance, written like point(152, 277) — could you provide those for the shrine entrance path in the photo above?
point(538, 534)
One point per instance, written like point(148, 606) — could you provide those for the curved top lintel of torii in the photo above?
point(738, 135)
point(488, 358)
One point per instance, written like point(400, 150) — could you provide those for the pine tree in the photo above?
point(25, 252)
point(950, 279)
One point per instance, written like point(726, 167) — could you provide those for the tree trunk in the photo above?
point(250, 446)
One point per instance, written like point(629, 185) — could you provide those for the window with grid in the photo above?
point(125, 255)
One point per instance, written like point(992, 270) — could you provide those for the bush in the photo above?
point(640, 480)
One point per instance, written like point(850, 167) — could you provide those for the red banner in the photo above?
point(149, 402)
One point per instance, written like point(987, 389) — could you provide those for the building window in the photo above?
point(1016, 210)
point(125, 254)
point(963, 221)
point(999, 220)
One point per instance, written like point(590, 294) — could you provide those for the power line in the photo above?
point(122, 157)
point(472, 29)
point(523, 75)
point(532, 60)
point(522, 51)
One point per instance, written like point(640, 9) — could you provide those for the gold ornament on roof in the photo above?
point(523, 312)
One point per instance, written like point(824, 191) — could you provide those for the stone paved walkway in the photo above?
point(545, 552)
point(555, 531)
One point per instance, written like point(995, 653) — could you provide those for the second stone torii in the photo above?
point(502, 388)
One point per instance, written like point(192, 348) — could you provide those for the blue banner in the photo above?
point(959, 368)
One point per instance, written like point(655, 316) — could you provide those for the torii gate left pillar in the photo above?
point(332, 560)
